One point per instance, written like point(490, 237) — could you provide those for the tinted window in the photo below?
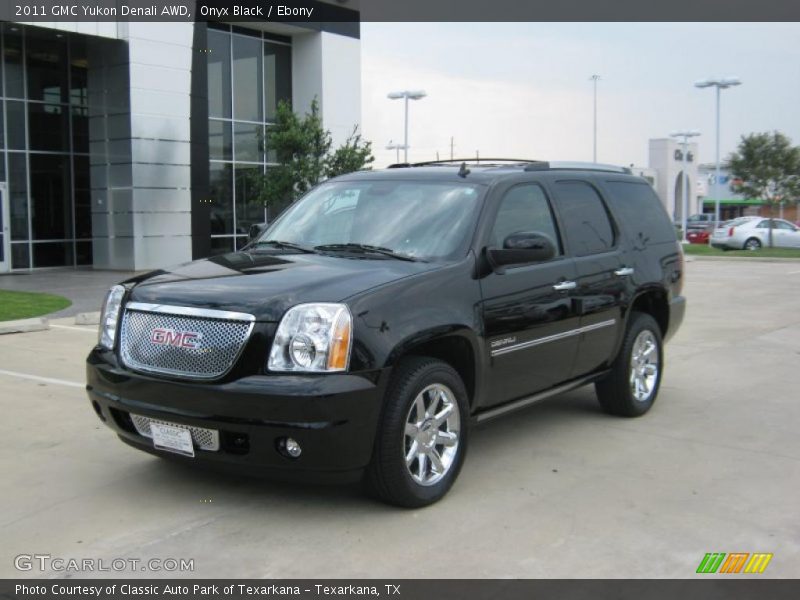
point(47, 68)
point(219, 74)
point(277, 76)
point(247, 99)
point(585, 219)
point(249, 209)
point(51, 202)
point(524, 208)
point(640, 211)
point(48, 127)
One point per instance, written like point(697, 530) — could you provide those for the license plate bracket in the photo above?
point(172, 439)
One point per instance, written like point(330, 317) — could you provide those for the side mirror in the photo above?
point(521, 248)
point(255, 230)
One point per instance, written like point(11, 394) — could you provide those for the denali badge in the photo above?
point(502, 342)
point(179, 339)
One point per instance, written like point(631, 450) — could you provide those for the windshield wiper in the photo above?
point(367, 248)
point(289, 245)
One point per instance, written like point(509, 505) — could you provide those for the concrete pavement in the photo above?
point(558, 490)
point(86, 288)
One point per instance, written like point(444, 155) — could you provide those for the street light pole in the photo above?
point(685, 178)
point(405, 138)
point(594, 79)
point(721, 83)
point(717, 191)
point(406, 95)
point(397, 148)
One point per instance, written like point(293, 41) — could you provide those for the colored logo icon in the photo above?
point(735, 562)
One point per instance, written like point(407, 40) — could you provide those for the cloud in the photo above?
point(522, 89)
point(497, 118)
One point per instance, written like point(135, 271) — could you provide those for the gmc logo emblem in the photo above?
point(179, 339)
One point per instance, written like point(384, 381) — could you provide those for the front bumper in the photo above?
point(333, 417)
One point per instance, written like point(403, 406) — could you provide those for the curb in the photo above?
point(24, 325)
point(776, 259)
point(88, 318)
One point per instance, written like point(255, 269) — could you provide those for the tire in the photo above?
point(752, 244)
point(416, 484)
point(618, 393)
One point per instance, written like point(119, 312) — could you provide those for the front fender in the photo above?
point(392, 319)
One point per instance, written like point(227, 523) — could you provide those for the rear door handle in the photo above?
point(565, 285)
point(624, 272)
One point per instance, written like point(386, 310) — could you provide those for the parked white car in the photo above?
point(752, 233)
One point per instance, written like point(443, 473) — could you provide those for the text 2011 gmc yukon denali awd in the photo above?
point(369, 327)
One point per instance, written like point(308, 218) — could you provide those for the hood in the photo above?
point(267, 284)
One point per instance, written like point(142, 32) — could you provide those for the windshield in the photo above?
point(422, 220)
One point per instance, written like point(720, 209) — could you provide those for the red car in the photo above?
point(698, 236)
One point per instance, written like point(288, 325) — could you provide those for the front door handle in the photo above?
point(565, 285)
point(624, 272)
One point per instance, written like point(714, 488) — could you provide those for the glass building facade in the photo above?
point(249, 73)
point(44, 137)
point(134, 145)
point(44, 146)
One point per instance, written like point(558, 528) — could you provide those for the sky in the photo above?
point(523, 90)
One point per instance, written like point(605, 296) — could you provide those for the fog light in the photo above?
point(293, 449)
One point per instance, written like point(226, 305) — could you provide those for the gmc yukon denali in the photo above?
point(380, 317)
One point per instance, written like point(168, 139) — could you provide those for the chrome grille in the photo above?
point(181, 341)
point(204, 439)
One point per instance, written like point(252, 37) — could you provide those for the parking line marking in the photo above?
point(92, 330)
point(794, 272)
point(42, 379)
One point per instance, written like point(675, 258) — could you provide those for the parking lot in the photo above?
point(558, 490)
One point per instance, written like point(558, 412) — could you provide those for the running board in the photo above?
point(528, 400)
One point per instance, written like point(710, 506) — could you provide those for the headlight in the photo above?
point(110, 316)
point(314, 338)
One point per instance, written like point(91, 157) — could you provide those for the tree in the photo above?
point(354, 155)
point(301, 147)
point(766, 166)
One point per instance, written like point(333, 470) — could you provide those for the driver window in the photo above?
point(524, 208)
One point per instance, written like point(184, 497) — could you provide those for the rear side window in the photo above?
point(585, 219)
point(640, 211)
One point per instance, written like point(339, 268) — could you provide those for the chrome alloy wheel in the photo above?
point(430, 440)
point(644, 366)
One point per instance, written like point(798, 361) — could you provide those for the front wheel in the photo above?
point(630, 389)
point(422, 438)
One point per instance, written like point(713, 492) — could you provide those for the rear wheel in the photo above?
point(752, 244)
point(630, 389)
point(422, 438)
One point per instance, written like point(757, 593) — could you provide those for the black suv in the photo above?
point(385, 313)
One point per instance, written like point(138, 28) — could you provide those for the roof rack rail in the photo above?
point(588, 166)
point(474, 161)
point(526, 163)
